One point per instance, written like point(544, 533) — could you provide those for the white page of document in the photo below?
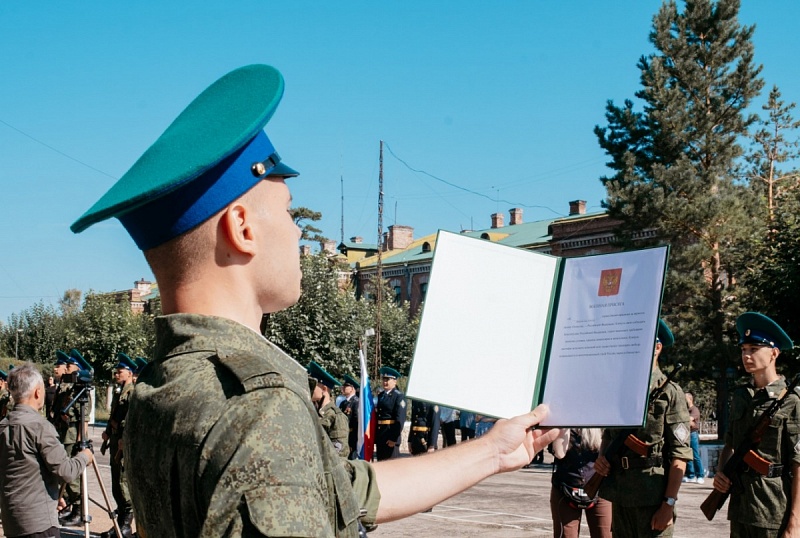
point(483, 326)
point(602, 349)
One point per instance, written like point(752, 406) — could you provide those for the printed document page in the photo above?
point(483, 326)
point(602, 347)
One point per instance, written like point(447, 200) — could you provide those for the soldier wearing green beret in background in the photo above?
point(222, 438)
point(763, 506)
point(68, 425)
point(644, 489)
point(333, 421)
point(349, 406)
point(391, 415)
point(123, 377)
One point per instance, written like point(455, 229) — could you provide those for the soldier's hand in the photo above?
point(601, 466)
point(662, 518)
point(89, 454)
point(516, 442)
point(105, 436)
point(721, 482)
point(390, 444)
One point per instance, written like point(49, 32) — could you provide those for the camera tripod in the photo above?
point(82, 443)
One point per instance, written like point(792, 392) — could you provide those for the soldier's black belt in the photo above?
point(420, 429)
point(386, 422)
point(637, 462)
point(775, 470)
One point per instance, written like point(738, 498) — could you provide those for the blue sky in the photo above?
point(497, 97)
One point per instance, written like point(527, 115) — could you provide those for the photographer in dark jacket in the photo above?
point(32, 460)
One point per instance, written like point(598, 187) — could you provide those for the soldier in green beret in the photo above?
point(68, 424)
point(333, 421)
point(123, 377)
point(643, 489)
point(221, 437)
point(763, 505)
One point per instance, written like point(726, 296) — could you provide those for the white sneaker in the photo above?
point(689, 480)
point(700, 480)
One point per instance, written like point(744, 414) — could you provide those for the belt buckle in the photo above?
point(623, 461)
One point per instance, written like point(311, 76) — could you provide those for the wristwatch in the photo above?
point(670, 500)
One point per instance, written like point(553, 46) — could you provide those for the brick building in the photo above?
point(406, 262)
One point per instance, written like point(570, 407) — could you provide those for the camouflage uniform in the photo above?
point(222, 440)
point(759, 503)
point(337, 426)
point(68, 433)
point(350, 409)
point(115, 430)
point(638, 491)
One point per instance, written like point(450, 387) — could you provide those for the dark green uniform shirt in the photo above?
point(222, 439)
point(757, 500)
point(667, 433)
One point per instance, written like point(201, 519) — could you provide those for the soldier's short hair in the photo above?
point(22, 381)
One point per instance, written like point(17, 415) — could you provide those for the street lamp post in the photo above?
point(16, 348)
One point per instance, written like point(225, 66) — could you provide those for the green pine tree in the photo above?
point(676, 167)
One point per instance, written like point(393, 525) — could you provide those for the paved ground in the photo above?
point(518, 504)
point(511, 505)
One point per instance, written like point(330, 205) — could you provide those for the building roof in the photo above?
point(527, 234)
point(352, 245)
point(415, 252)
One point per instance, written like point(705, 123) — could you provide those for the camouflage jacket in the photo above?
point(119, 410)
point(337, 426)
point(757, 500)
point(222, 440)
point(667, 435)
point(67, 425)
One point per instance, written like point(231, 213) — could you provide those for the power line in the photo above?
point(470, 191)
point(51, 148)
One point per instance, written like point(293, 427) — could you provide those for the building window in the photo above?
point(426, 247)
point(398, 294)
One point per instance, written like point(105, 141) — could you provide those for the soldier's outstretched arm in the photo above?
point(410, 485)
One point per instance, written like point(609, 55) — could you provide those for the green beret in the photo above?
point(78, 359)
point(141, 362)
point(348, 380)
point(664, 335)
point(386, 371)
point(756, 328)
point(124, 361)
point(215, 151)
point(3, 375)
point(318, 373)
point(61, 358)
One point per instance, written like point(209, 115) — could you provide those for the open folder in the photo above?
point(504, 329)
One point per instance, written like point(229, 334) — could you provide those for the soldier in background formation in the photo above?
point(124, 373)
point(424, 433)
point(349, 407)
point(69, 428)
point(643, 489)
point(391, 415)
point(333, 421)
point(763, 505)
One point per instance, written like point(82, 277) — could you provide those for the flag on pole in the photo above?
point(366, 414)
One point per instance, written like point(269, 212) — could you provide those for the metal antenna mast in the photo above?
point(379, 274)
